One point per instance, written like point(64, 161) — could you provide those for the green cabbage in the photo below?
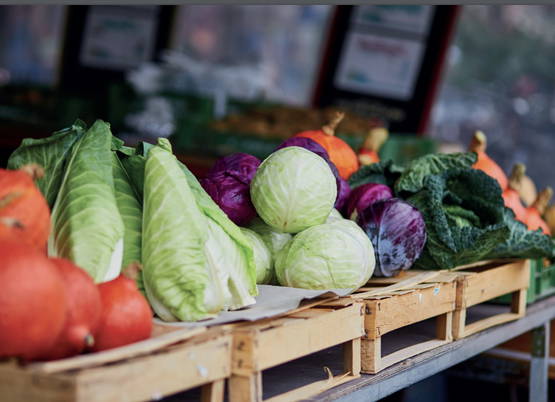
point(293, 189)
point(51, 153)
point(176, 277)
point(327, 256)
point(131, 212)
point(262, 257)
point(273, 239)
point(195, 261)
point(86, 225)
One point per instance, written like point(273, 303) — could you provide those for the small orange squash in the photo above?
point(340, 153)
point(368, 153)
point(511, 196)
point(24, 212)
point(535, 211)
point(484, 162)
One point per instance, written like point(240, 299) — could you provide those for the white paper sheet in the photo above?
point(271, 301)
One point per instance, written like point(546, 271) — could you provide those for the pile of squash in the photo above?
point(519, 191)
point(49, 307)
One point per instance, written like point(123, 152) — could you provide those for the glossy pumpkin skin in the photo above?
point(83, 313)
point(33, 301)
point(512, 201)
point(534, 221)
point(126, 315)
point(340, 153)
point(24, 212)
point(367, 156)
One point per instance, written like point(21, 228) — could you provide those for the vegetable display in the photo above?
point(327, 256)
point(398, 234)
point(293, 189)
point(24, 213)
point(228, 183)
point(340, 153)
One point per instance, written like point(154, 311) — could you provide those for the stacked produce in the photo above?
point(50, 308)
point(115, 207)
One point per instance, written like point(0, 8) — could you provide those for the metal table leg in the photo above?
point(538, 365)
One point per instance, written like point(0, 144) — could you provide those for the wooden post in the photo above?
point(351, 357)
point(213, 392)
point(371, 355)
point(245, 388)
point(444, 327)
point(518, 302)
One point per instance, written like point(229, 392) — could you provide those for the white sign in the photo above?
point(378, 65)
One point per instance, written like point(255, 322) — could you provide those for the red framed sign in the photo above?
point(385, 62)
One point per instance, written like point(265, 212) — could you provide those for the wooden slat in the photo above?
point(308, 336)
point(213, 392)
point(312, 389)
point(408, 283)
point(121, 353)
point(489, 322)
point(152, 376)
point(498, 281)
point(399, 311)
point(410, 351)
point(180, 368)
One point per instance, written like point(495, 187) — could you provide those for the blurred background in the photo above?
point(223, 79)
point(183, 71)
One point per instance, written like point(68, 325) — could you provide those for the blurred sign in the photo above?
point(385, 62)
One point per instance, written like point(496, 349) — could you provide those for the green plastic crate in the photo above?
point(542, 283)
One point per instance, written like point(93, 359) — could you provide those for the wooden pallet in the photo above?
point(485, 281)
point(169, 362)
point(267, 343)
point(393, 303)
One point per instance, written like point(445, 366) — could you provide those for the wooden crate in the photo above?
point(394, 303)
point(267, 343)
point(169, 362)
point(485, 281)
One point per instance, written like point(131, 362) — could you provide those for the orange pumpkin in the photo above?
point(484, 162)
point(535, 211)
point(511, 196)
point(368, 153)
point(24, 212)
point(340, 153)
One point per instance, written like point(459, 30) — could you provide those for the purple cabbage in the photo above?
point(362, 196)
point(343, 188)
point(398, 234)
point(228, 183)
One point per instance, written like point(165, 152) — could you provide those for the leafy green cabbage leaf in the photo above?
point(413, 177)
point(86, 225)
point(383, 172)
point(131, 212)
point(262, 257)
point(327, 256)
point(52, 154)
point(209, 267)
point(522, 243)
point(463, 211)
point(177, 282)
